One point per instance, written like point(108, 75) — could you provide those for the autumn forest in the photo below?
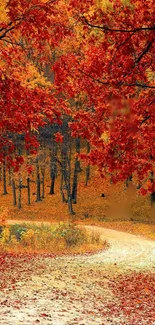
point(77, 162)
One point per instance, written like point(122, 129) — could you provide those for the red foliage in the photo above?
point(58, 137)
point(104, 62)
point(113, 68)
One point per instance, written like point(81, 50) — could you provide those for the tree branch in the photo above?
point(6, 31)
point(94, 79)
point(140, 85)
point(120, 84)
point(144, 51)
point(107, 29)
point(147, 118)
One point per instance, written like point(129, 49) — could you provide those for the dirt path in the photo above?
point(78, 290)
point(126, 251)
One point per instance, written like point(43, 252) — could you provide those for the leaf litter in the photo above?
point(79, 290)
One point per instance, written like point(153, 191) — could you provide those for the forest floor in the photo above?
point(117, 205)
point(116, 286)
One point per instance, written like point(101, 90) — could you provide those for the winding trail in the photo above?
point(76, 290)
point(126, 251)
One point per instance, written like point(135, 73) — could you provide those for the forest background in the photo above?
point(77, 110)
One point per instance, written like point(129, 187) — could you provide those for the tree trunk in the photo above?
point(4, 178)
point(153, 198)
point(75, 184)
point(19, 192)
point(66, 164)
point(38, 198)
point(52, 183)
point(1, 173)
point(88, 167)
point(14, 192)
point(61, 189)
point(53, 167)
point(70, 205)
point(43, 184)
point(77, 169)
point(28, 191)
point(68, 180)
point(153, 193)
point(9, 182)
point(129, 180)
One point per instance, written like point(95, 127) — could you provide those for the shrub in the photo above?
point(28, 238)
point(58, 239)
point(17, 230)
point(73, 236)
point(5, 236)
point(1, 229)
point(95, 238)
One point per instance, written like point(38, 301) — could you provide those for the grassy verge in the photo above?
point(64, 238)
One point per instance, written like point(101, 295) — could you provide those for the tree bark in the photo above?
point(20, 193)
point(77, 169)
point(28, 191)
point(53, 167)
point(14, 192)
point(153, 198)
point(66, 164)
point(1, 173)
point(38, 198)
point(61, 189)
point(9, 182)
point(4, 178)
point(153, 193)
point(43, 181)
point(129, 179)
point(88, 167)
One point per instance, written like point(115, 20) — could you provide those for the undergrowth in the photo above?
point(62, 238)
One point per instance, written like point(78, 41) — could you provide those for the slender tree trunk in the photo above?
point(28, 191)
point(14, 192)
point(70, 204)
point(43, 181)
point(4, 178)
point(61, 189)
point(88, 166)
point(64, 172)
point(68, 183)
point(77, 169)
point(20, 193)
point(153, 198)
point(9, 182)
point(138, 186)
point(75, 184)
point(1, 173)
point(38, 198)
point(129, 180)
point(53, 167)
point(153, 193)
point(52, 183)
point(43, 184)
point(66, 164)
